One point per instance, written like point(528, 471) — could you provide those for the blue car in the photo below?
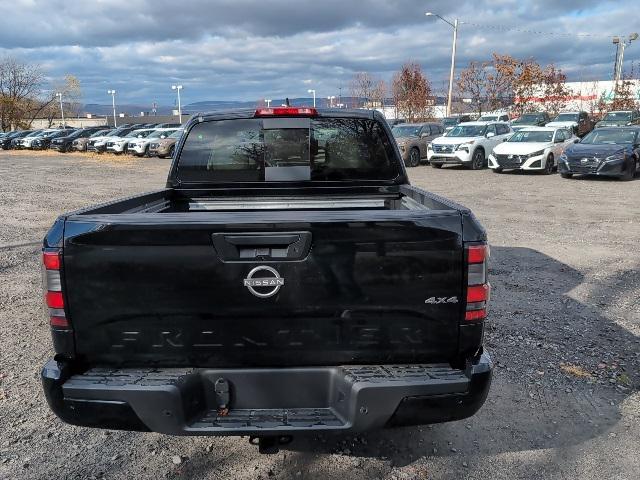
point(610, 152)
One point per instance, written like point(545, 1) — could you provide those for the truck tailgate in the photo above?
point(175, 289)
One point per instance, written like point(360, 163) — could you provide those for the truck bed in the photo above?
point(174, 201)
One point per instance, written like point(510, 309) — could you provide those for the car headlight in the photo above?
point(464, 146)
point(615, 156)
point(535, 154)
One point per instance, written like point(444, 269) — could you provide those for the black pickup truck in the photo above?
point(287, 280)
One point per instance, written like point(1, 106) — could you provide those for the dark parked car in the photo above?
point(80, 144)
point(63, 144)
point(44, 141)
point(610, 152)
point(270, 291)
point(413, 139)
point(620, 118)
point(5, 142)
point(537, 119)
point(579, 122)
point(449, 122)
point(16, 142)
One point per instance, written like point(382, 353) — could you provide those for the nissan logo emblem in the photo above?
point(271, 282)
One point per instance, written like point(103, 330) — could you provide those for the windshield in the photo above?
point(467, 131)
point(176, 134)
point(617, 116)
point(526, 118)
point(288, 149)
point(603, 136)
point(406, 131)
point(160, 133)
point(138, 134)
point(34, 134)
point(488, 118)
point(100, 133)
point(566, 117)
point(531, 136)
point(449, 122)
point(74, 133)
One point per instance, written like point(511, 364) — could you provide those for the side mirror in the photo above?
point(577, 140)
point(163, 136)
point(490, 134)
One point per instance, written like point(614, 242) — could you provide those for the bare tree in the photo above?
point(412, 93)
point(526, 86)
point(472, 83)
point(362, 87)
point(554, 90)
point(378, 94)
point(71, 91)
point(20, 87)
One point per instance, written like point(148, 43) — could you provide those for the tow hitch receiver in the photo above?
point(270, 444)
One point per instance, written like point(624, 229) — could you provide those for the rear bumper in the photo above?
point(266, 401)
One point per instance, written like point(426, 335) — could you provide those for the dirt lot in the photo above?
point(564, 331)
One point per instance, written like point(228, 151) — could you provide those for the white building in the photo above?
point(586, 95)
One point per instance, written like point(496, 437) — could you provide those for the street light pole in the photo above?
point(311, 90)
point(113, 102)
point(621, 43)
point(59, 95)
point(454, 25)
point(178, 88)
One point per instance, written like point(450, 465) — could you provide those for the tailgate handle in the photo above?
point(262, 246)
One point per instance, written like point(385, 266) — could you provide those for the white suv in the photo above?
point(140, 146)
point(468, 144)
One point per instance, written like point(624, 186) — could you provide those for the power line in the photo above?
point(536, 32)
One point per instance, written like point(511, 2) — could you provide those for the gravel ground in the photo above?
point(564, 331)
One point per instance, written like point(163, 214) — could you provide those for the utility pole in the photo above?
point(178, 88)
point(113, 102)
point(621, 43)
point(453, 25)
point(311, 90)
point(59, 95)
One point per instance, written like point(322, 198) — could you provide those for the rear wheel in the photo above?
point(477, 163)
point(548, 165)
point(436, 165)
point(566, 175)
point(414, 157)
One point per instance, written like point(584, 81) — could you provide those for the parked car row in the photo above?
point(605, 151)
point(141, 140)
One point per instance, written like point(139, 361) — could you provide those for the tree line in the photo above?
point(504, 82)
point(26, 94)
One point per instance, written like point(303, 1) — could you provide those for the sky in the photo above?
point(248, 50)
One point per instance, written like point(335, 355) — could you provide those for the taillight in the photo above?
point(286, 111)
point(51, 260)
point(478, 287)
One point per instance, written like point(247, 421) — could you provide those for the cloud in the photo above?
point(245, 50)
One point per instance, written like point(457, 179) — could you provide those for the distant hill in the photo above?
point(205, 106)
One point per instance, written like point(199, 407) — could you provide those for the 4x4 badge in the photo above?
point(273, 281)
point(437, 300)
